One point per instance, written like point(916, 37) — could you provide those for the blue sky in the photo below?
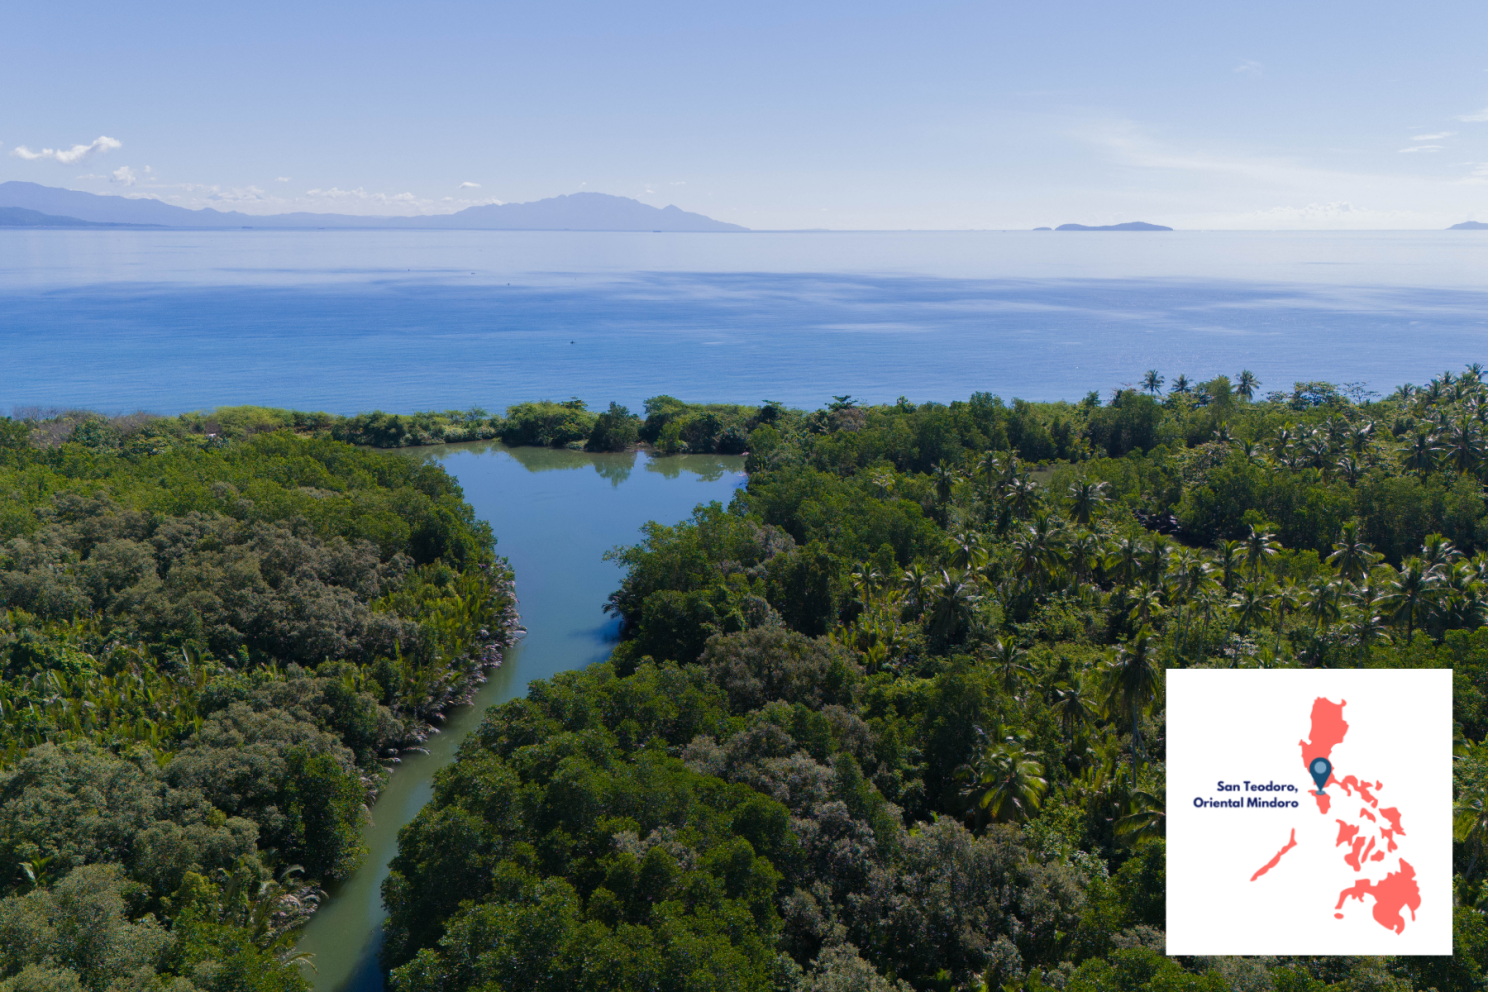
point(772, 115)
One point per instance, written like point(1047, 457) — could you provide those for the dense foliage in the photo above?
point(671, 426)
point(894, 718)
point(208, 648)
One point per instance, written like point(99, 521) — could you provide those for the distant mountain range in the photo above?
point(573, 212)
point(1132, 225)
point(1469, 225)
point(21, 217)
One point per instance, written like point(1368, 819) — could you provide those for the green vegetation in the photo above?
point(894, 718)
point(671, 426)
point(209, 647)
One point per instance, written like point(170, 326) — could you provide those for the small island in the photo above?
point(1132, 225)
point(1469, 225)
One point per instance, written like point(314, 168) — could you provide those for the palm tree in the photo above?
point(1247, 385)
point(1284, 599)
point(1085, 499)
point(1023, 496)
point(989, 468)
point(1409, 592)
point(1147, 818)
point(1131, 685)
point(1251, 603)
point(1072, 708)
point(1010, 662)
point(1281, 444)
point(1126, 561)
point(1322, 603)
point(1146, 600)
point(1229, 555)
point(1463, 448)
point(968, 553)
point(1152, 382)
point(1082, 553)
point(1438, 552)
point(916, 583)
point(953, 597)
point(945, 477)
point(1181, 386)
point(1007, 783)
point(1156, 565)
point(1420, 453)
point(1351, 556)
point(1350, 469)
point(1470, 822)
point(1258, 547)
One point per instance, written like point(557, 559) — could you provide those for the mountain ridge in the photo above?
point(583, 211)
point(1131, 225)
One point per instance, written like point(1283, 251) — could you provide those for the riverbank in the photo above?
point(555, 512)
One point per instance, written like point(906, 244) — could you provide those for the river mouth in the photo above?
point(555, 514)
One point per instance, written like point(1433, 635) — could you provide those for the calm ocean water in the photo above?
point(348, 321)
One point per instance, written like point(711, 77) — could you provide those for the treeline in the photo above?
point(894, 718)
point(208, 655)
point(669, 425)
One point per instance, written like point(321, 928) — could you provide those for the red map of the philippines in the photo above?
point(1367, 838)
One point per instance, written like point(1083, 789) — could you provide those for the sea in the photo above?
point(348, 321)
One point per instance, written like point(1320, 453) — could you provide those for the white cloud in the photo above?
point(360, 194)
point(67, 156)
point(282, 179)
point(1247, 67)
point(1476, 118)
point(1433, 137)
point(1422, 148)
point(468, 186)
point(124, 175)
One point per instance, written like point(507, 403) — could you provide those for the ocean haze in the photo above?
point(405, 320)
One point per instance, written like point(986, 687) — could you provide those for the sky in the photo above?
point(858, 115)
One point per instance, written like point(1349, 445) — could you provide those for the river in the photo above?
point(555, 513)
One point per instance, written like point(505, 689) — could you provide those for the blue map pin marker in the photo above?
point(1320, 768)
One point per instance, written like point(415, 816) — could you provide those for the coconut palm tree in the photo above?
point(1181, 386)
point(1322, 603)
point(1470, 821)
point(1259, 545)
point(1250, 603)
point(1146, 817)
point(945, 477)
point(1409, 593)
point(1352, 557)
point(1146, 600)
point(953, 596)
point(1011, 663)
point(1285, 598)
point(1152, 382)
point(1082, 553)
point(1462, 447)
point(1072, 708)
point(1228, 557)
point(968, 554)
point(1125, 562)
point(1007, 783)
point(1131, 686)
point(1155, 566)
point(1085, 498)
point(1419, 453)
point(1438, 552)
point(1023, 496)
point(1247, 384)
point(916, 583)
